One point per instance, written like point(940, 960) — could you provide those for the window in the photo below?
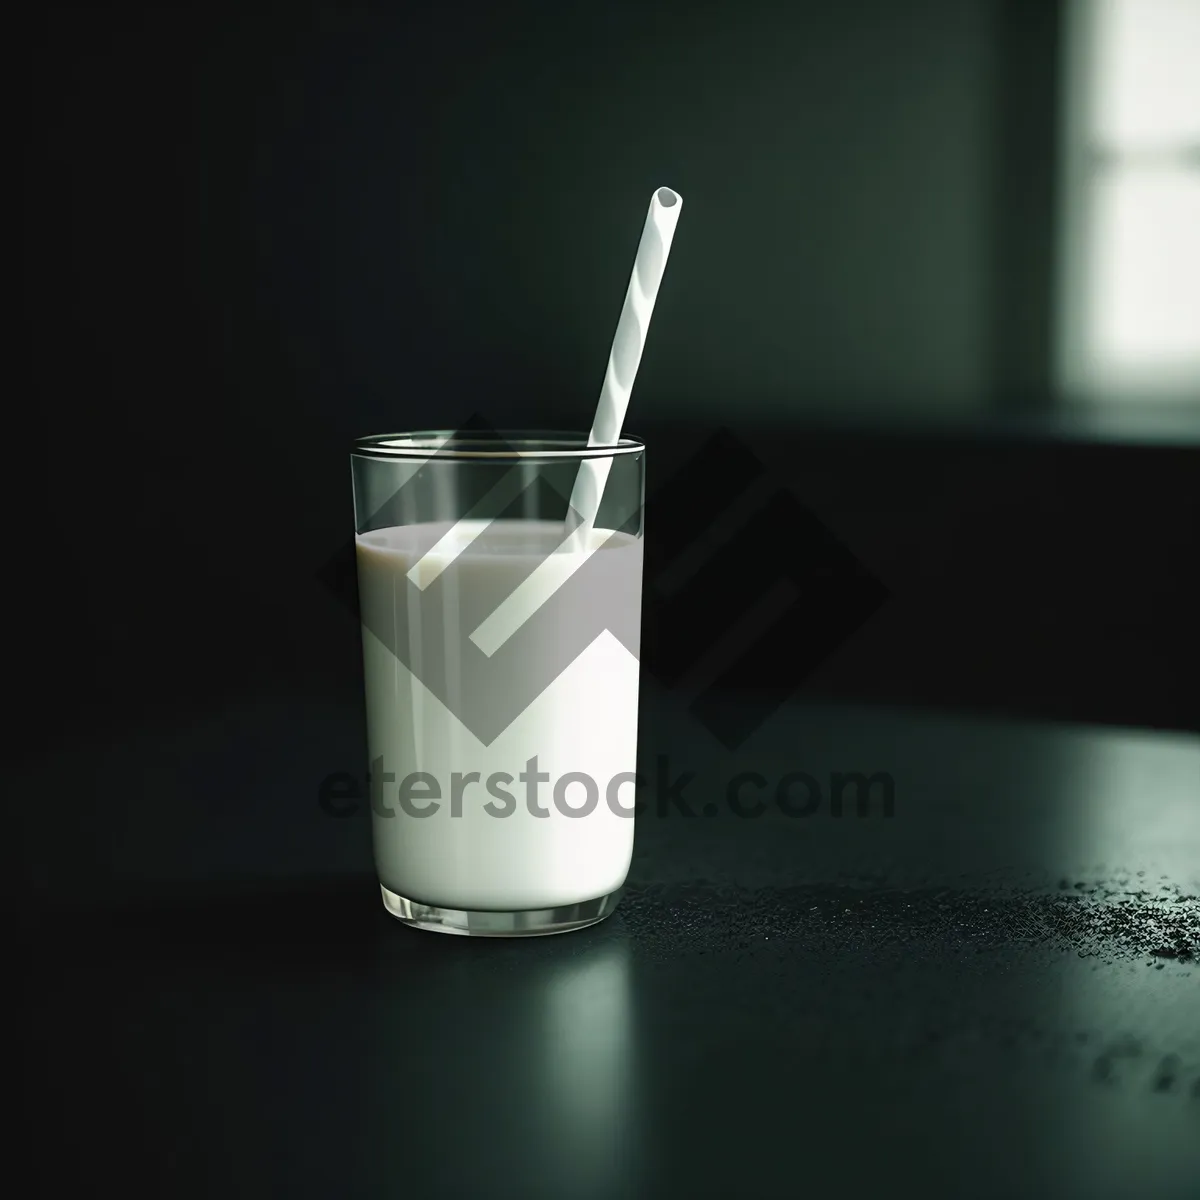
point(1129, 303)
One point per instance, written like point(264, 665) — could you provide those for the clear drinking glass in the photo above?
point(500, 656)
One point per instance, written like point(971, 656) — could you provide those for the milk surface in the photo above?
point(585, 720)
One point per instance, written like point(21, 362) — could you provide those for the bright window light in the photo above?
point(1129, 319)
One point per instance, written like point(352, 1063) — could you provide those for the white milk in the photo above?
point(584, 721)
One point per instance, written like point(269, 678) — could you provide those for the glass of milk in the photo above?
point(500, 656)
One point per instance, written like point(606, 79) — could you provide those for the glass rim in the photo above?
point(451, 445)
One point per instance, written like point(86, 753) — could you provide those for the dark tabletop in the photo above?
point(994, 991)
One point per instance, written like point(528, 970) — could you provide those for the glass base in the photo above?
point(528, 922)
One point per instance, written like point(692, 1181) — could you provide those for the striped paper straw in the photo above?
point(625, 356)
point(623, 361)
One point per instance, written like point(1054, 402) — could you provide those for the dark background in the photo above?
point(252, 235)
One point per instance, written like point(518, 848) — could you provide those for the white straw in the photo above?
point(625, 355)
point(623, 361)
